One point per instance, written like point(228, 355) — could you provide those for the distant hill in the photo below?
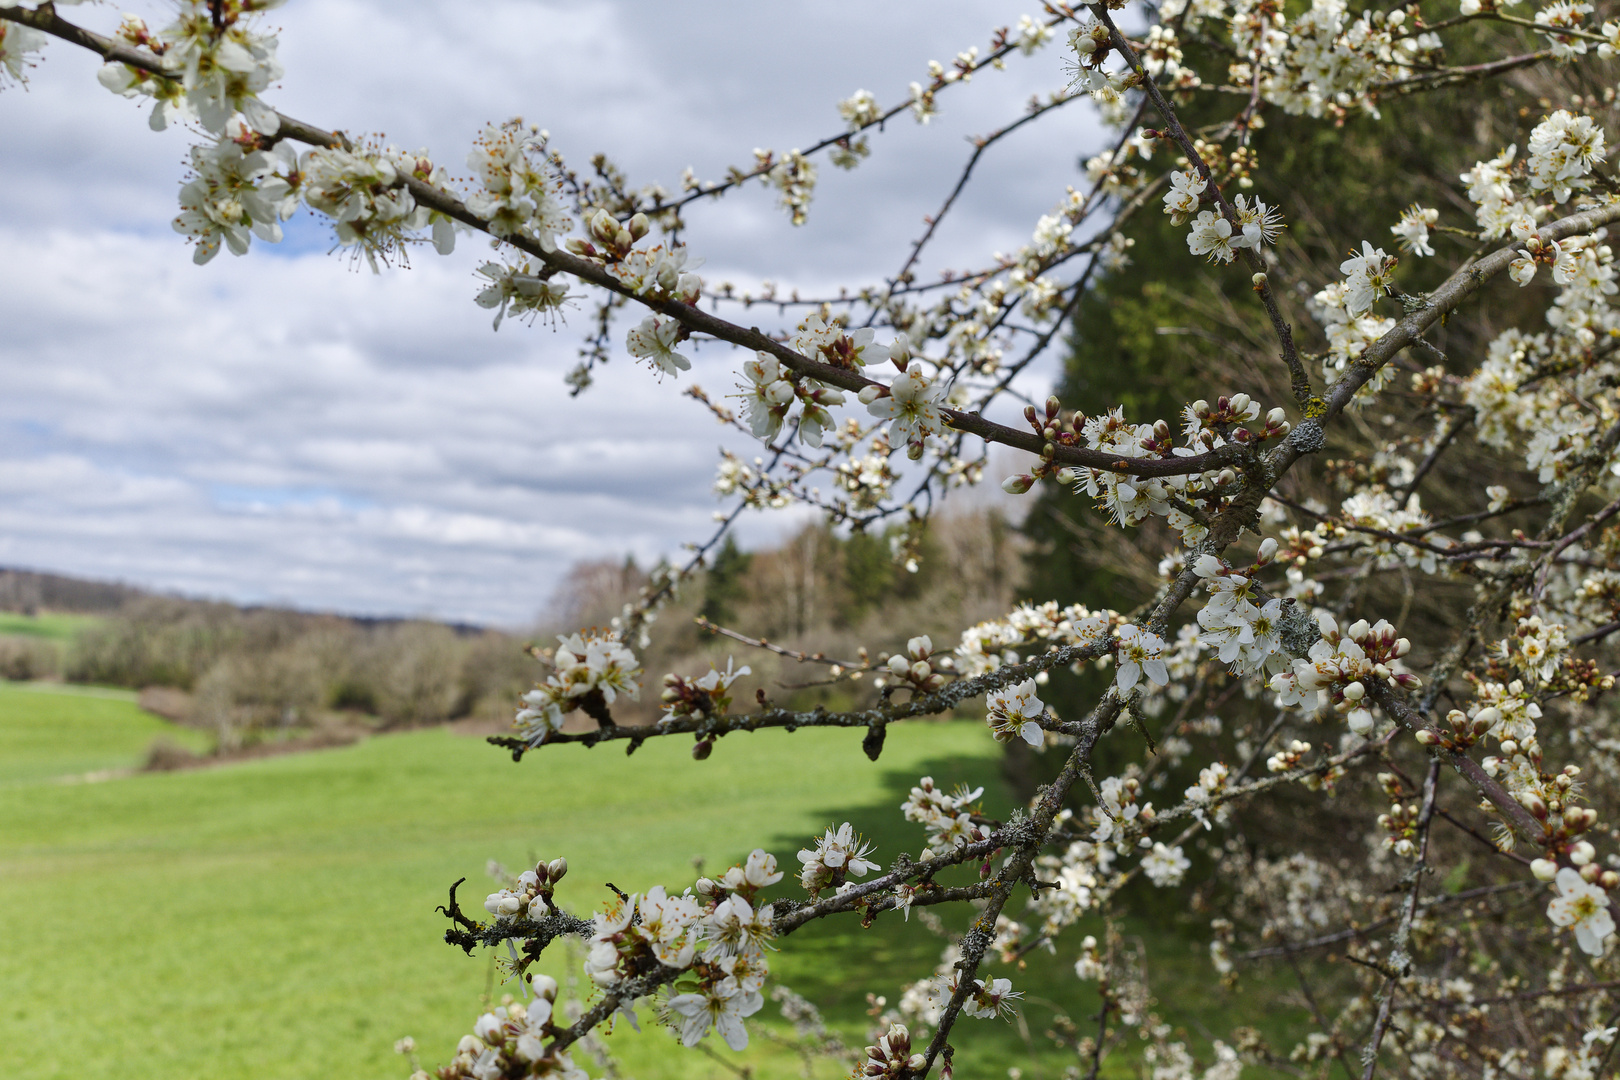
point(31, 591)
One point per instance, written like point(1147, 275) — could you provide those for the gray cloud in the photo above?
point(284, 428)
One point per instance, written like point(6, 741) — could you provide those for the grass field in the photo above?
point(52, 627)
point(275, 918)
point(52, 733)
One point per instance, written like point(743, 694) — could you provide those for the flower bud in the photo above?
point(1258, 280)
point(1582, 853)
point(639, 225)
point(557, 868)
point(1310, 679)
point(1017, 485)
point(1591, 872)
point(869, 394)
point(900, 349)
point(1544, 869)
point(900, 666)
point(1427, 737)
point(489, 1028)
point(1355, 692)
point(1609, 879)
point(1268, 548)
point(920, 671)
point(544, 986)
point(1068, 476)
point(508, 905)
point(1275, 416)
point(1358, 630)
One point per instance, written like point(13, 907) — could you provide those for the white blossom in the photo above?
point(1140, 654)
point(1165, 866)
point(1412, 231)
point(1367, 277)
point(1583, 907)
point(1013, 711)
point(655, 340)
point(840, 853)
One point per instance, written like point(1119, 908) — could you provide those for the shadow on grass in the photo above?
point(836, 962)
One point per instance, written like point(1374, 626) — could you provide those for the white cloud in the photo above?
point(283, 428)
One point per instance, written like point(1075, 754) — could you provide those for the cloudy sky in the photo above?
point(282, 428)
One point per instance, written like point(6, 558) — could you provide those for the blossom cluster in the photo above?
point(1084, 876)
point(1183, 500)
point(510, 1041)
point(715, 933)
point(215, 65)
point(1245, 629)
point(837, 856)
point(986, 999)
point(890, 1057)
point(706, 696)
point(1013, 714)
point(773, 390)
point(530, 895)
point(1119, 812)
point(590, 670)
point(1337, 666)
point(521, 288)
point(948, 817)
point(915, 668)
point(988, 645)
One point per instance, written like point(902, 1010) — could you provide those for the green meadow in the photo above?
point(52, 626)
point(275, 918)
